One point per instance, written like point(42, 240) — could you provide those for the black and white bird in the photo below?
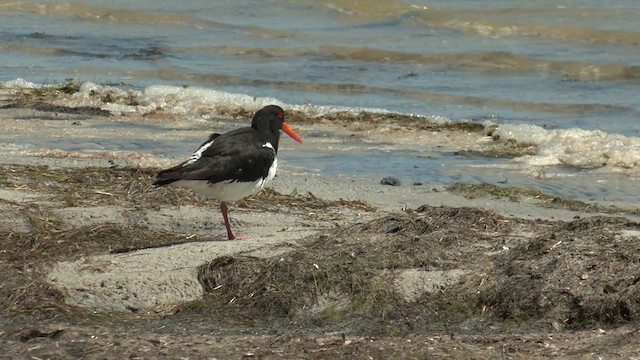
point(234, 165)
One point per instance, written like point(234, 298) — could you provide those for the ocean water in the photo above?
point(561, 75)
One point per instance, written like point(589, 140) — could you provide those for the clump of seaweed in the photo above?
point(584, 272)
point(349, 273)
point(43, 98)
point(348, 276)
point(271, 200)
point(93, 186)
point(131, 186)
point(355, 121)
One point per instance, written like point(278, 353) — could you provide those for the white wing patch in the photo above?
point(272, 172)
point(260, 184)
point(198, 154)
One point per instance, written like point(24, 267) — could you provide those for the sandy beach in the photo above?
point(96, 263)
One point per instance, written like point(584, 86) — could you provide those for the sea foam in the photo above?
point(191, 102)
point(580, 148)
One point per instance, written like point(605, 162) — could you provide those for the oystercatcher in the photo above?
point(234, 165)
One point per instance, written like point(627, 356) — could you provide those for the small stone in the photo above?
point(390, 180)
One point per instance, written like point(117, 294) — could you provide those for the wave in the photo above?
point(91, 12)
point(129, 16)
point(149, 53)
point(524, 21)
point(579, 148)
point(184, 76)
point(499, 28)
point(175, 75)
point(489, 62)
point(192, 101)
point(486, 62)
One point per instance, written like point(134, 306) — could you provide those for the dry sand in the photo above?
point(145, 279)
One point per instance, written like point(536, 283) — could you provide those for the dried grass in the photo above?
point(527, 284)
point(127, 186)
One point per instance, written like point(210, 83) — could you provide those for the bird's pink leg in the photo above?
point(225, 214)
point(224, 209)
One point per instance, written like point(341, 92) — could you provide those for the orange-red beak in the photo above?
point(291, 133)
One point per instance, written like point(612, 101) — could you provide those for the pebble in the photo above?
point(390, 180)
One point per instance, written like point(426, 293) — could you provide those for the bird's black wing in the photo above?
point(238, 155)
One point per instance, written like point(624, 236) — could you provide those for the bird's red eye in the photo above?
point(281, 115)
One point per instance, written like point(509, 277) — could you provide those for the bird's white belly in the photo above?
point(228, 190)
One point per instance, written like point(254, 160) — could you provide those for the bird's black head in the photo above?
point(270, 117)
